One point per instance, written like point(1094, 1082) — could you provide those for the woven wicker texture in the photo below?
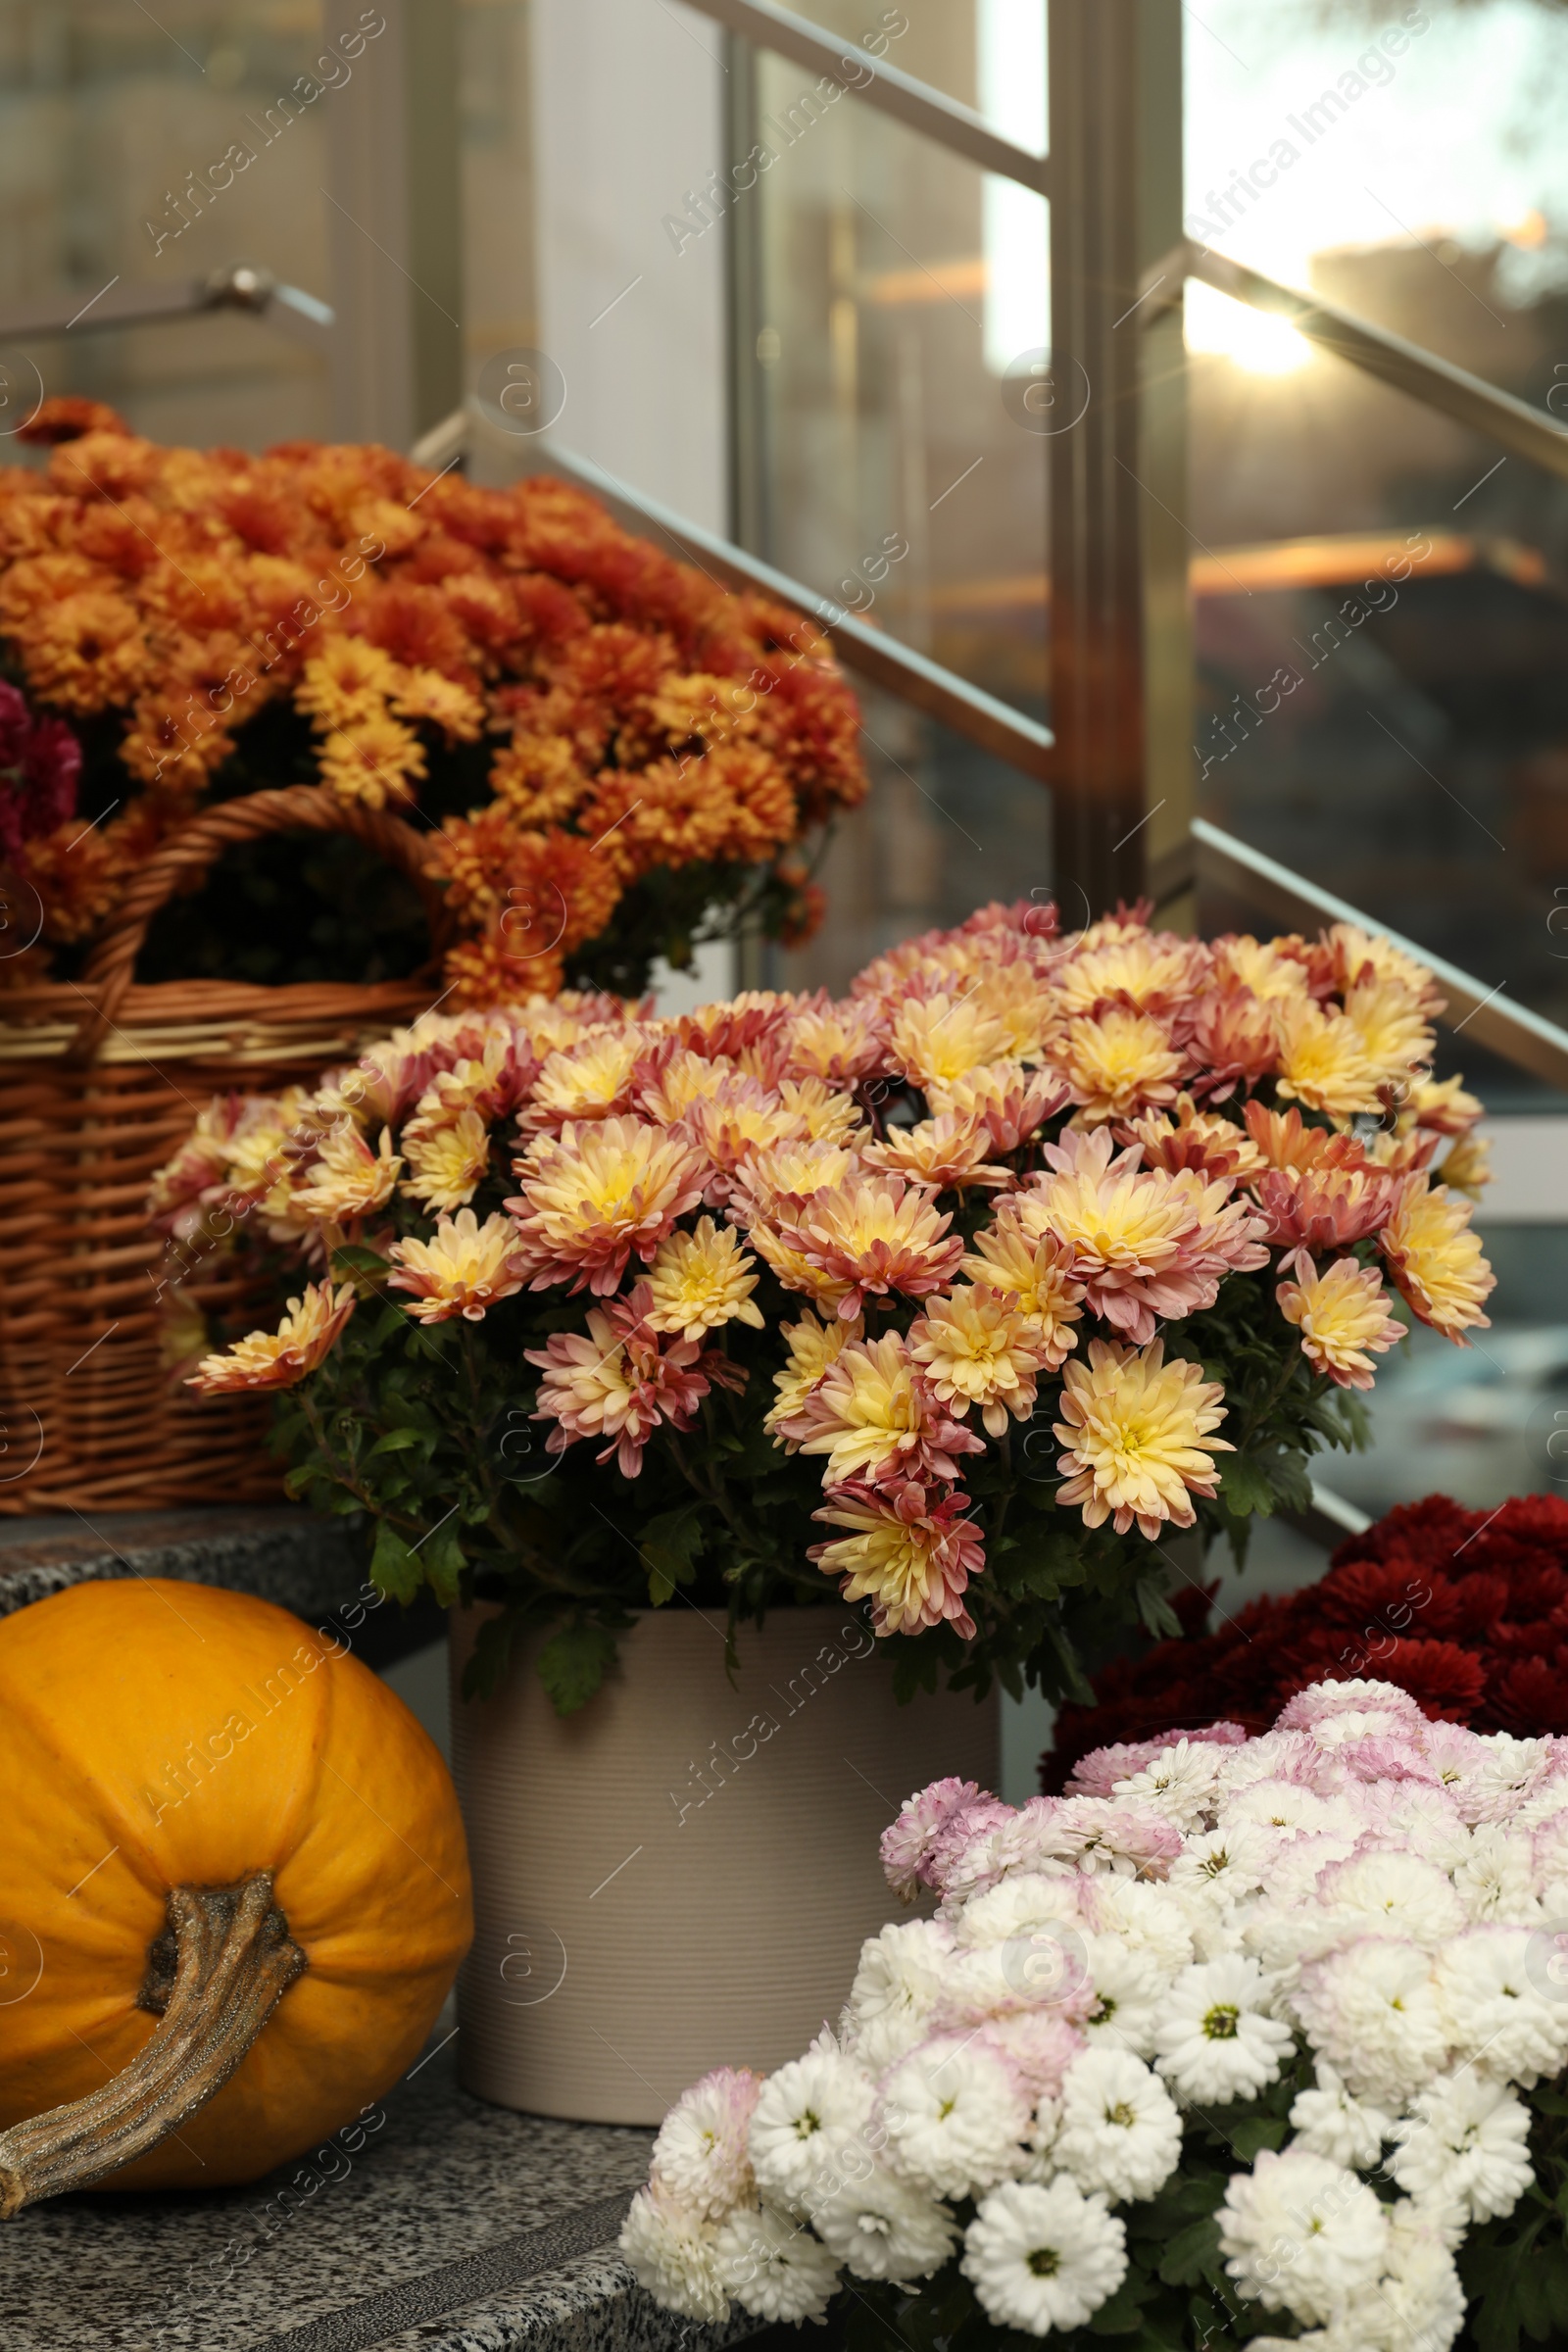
point(101, 1080)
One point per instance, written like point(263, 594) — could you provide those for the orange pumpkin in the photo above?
point(157, 1738)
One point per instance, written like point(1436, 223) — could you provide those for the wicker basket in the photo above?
point(101, 1080)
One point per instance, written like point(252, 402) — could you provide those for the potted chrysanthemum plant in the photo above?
point(760, 1340)
point(1242, 2040)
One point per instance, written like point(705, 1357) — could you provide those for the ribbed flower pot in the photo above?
point(681, 1874)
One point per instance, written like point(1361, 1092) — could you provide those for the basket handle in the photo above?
point(189, 853)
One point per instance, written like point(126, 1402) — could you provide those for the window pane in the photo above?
point(125, 142)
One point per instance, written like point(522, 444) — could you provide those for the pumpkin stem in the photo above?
point(232, 1961)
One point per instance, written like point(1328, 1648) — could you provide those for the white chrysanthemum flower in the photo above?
point(1119, 2131)
point(700, 2153)
point(957, 2115)
point(1128, 1995)
point(1288, 1809)
point(1394, 1894)
point(1044, 2258)
point(1494, 1998)
point(1025, 1901)
point(897, 1986)
point(1015, 1978)
point(1418, 2304)
point(1303, 2234)
point(773, 2266)
point(1295, 1866)
point(1329, 2122)
point(1465, 2143)
point(1276, 1756)
point(1215, 2037)
point(1506, 1777)
point(1372, 2011)
point(1496, 1877)
point(1411, 1816)
point(674, 2255)
point(809, 2127)
point(1149, 1919)
point(1181, 1783)
point(885, 2228)
point(1232, 1861)
point(1547, 1802)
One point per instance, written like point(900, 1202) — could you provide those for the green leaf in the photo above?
point(1258, 2132)
point(352, 1259)
point(574, 1661)
point(444, 1561)
point(394, 1440)
point(395, 1570)
point(1192, 2253)
point(1123, 2314)
point(1245, 1487)
point(671, 1544)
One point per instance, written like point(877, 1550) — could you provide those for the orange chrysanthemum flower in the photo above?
point(281, 1358)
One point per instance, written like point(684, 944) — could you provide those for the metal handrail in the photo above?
point(1523, 431)
point(1518, 1035)
point(237, 287)
point(913, 103)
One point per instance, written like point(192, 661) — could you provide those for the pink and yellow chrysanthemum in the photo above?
point(873, 1237)
point(941, 1038)
point(1033, 1272)
point(1436, 1259)
point(974, 1348)
point(1137, 1431)
point(701, 1280)
point(1011, 1101)
point(1210, 1145)
point(590, 1080)
point(874, 1418)
point(947, 1153)
point(619, 1381)
point(463, 1272)
point(595, 1195)
point(348, 1179)
point(446, 1164)
point(277, 1360)
point(812, 1346)
point(1394, 1032)
point(909, 1554)
point(1323, 1062)
point(1117, 1063)
point(1341, 1315)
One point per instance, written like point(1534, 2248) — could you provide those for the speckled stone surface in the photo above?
point(311, 1565)
point(341, 2251)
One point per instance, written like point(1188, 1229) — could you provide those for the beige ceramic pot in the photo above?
point(681, 1876)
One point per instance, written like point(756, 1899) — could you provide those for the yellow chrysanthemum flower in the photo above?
point(348, 1179)
point(813, 1347)
point(371, 760)
point(876, 1415)
point(1441, 1103)
point(1355, 951)
point(1031, 1270)
point(685, 1078)
point(947, 1153)
point(1394, 1036)
point(1341, 1315)
point(1323, 1062)
point(347, 681)
point(942, 1037)
point(795, 1270)
point(1271, 968)
point(591, 1080)
point(1435, 1260)
point(277, 1360)
point(441, 703)
point(976, 1348)
point(1116, 1065)
point(446, 1163)
point(1137, 1431)
point(701, 1280)
point(1467, 1168)
point(464, 1271)
point(822, 1115)
point(1146, 970)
